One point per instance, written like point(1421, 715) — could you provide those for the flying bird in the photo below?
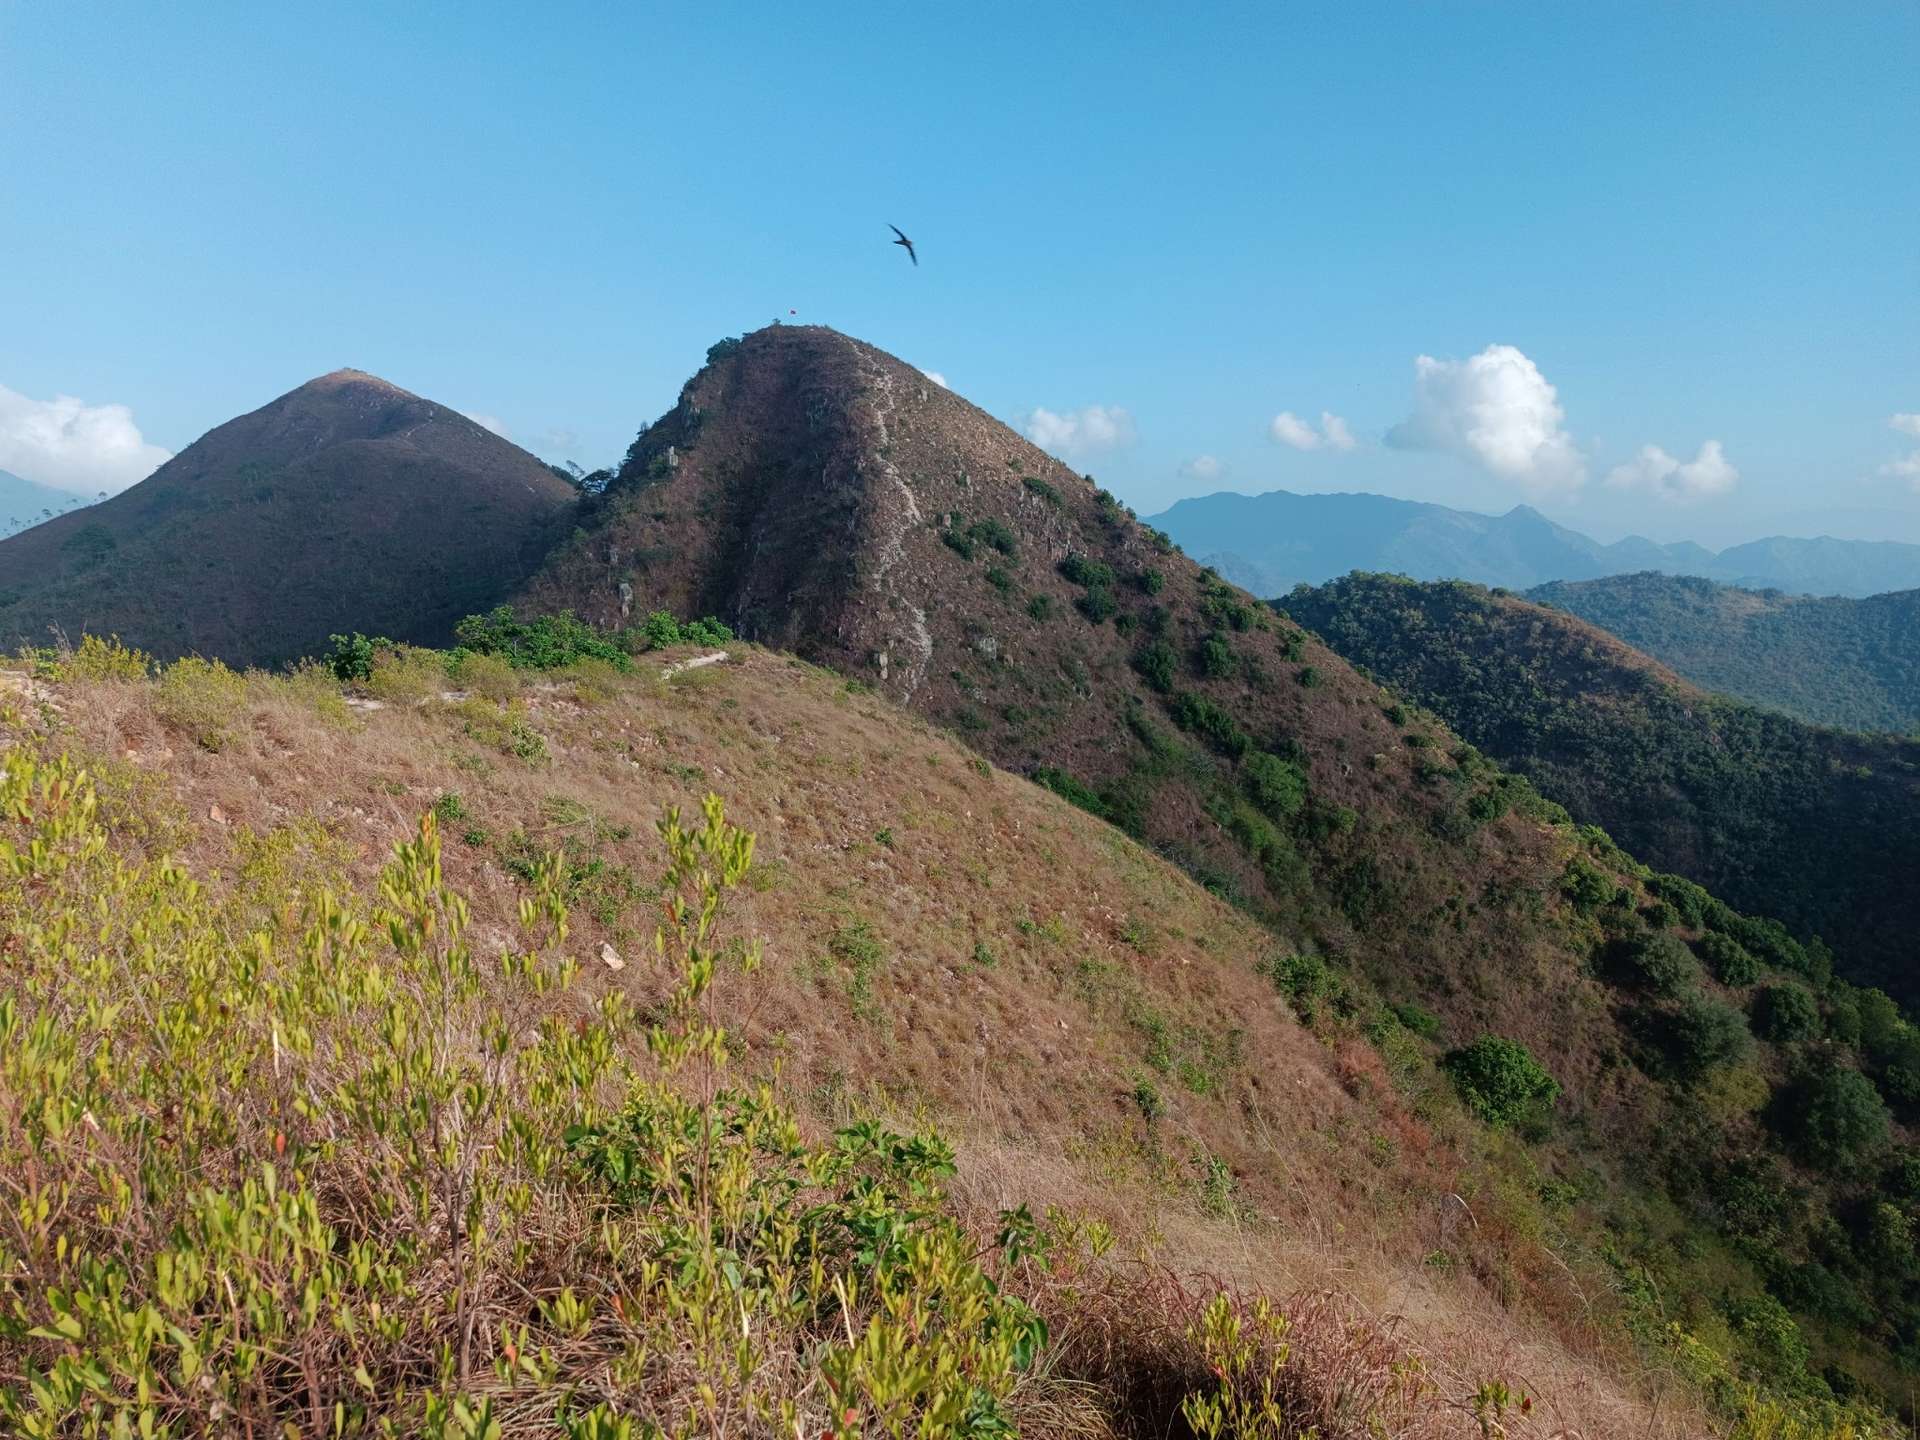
point(903, 240)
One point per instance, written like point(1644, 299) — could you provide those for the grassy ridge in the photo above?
point(1105, 1324)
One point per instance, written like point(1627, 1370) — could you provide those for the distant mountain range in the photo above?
point(1270, 543)
point(1833, 660)
point(23, 503)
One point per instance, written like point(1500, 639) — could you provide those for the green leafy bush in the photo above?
point(1501, 1082)
point(1659, 962)
point(1732, 964)
point(489, 676)
point(201, 698)
point(1215, 659)
point(547, 642)
point(1700, 1035)
point(1086, 572)
point(1278, 787)
point(1834, 1116)
point(1098, 605)
point(1586, 886)
point(1786, 1014)
point(661, 631)
point(406, 675)
point(1305, 979)
point(1211, 722)
point(351, 659)
point(1157, 665)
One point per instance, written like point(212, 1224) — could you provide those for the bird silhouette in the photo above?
point(903, 240)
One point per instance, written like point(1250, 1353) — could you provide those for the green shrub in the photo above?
point(1420, 1021)
point(1041, 488)
point(1305, 980)
point(1152, 581)
point(1768, 1339)
point(1215, 659)
point(1785, 1014)
point(1087, 573)
point(351, 659)
point(1732, 964)
point(1070, 790)
point(489, 676)
point(1040, 607)
point(406, 675)
point(202, 698)
point(1098, 605)
point(1212, 723)
point(1834, 1116)
point(1278, 787)
point(1660, 963)
point(547, 642)
point(1586, 886)
point(1157, 665)
point(105, 659)
point(1501, 1082)
point(1701, 1035)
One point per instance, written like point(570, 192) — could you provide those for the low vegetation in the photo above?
point(1816, 828)
point(1827, 660)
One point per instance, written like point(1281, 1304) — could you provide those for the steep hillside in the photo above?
point(1816, 827)
point(824, 497)
point(23, 503)
point(1269, 543)
point(944, 945)
point(346, 498)
point(1832, 661)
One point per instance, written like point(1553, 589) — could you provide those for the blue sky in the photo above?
point(1609, 227)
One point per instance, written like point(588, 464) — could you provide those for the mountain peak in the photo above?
point(347, 496)
point(349, 378)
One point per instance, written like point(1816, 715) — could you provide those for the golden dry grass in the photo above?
point(947, 942)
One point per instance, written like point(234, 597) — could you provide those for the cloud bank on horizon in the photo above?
point(66, 444)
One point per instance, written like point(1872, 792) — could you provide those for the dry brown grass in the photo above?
point(1030, 1056)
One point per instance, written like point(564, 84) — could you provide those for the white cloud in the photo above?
point(557, 440)
point(70, 445)
point(936, 377)
point(1203, 468)
point(1287, 428)
point(489, 422)
point(1907, 467)
point(1081, 432)
point(1653, 470)
point(1497, 411)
